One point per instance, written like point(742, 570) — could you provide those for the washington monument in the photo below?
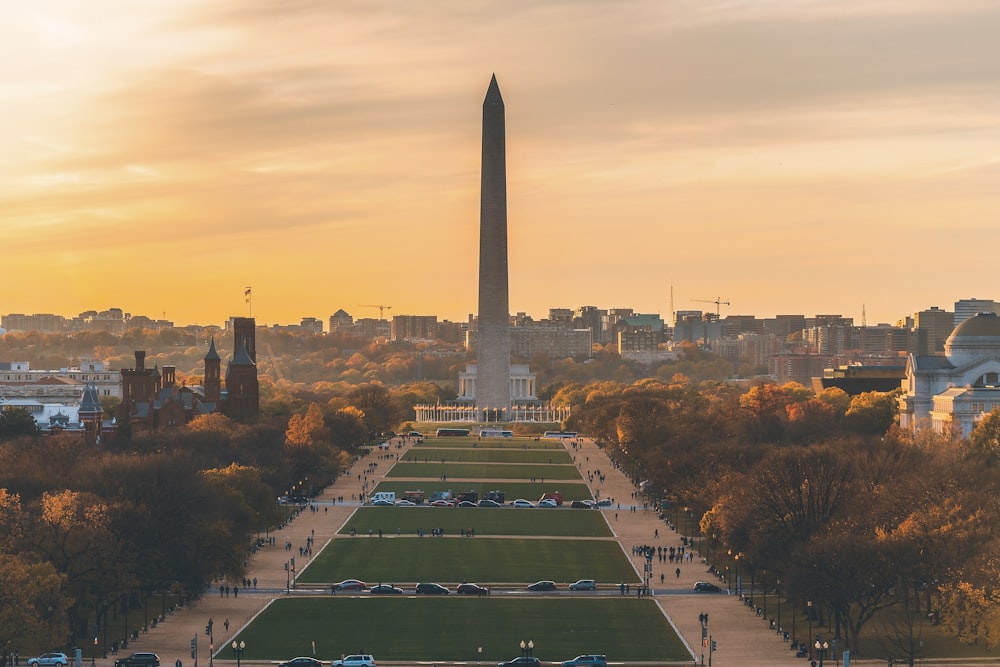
point(493, 346)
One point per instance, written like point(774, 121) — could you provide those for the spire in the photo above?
point(241, 357)
point(212, 354)
point(91, 403)
point(493, 97)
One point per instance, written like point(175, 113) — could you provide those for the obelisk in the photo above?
point(493, 346)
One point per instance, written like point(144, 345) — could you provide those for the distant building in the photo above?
point(966, 308)
point(931, 329)
point(858, 379)
point(106, 381)
point(414, 327)
point(951, 392)
point(340, 320)
point(642, 345)
point(43, 322)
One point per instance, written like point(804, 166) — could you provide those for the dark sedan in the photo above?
point(385, 589)
point(470, 589)
point(542, 586)
point(522, 661)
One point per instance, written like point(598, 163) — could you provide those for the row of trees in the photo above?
point(87, 533)
point(820, 493)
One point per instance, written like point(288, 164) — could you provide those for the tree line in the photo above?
point(820, 500)
point(88, 533)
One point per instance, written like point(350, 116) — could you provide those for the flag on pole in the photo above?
point(246, 293)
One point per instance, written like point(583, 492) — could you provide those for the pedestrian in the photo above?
point(226, 623)
point(678, 571)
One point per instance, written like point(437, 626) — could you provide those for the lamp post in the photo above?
point(809, 615)
point(821, 648)
point(238, 649)
point(764, 574)
point(531, 648)
point(739, 589)
point(777, 592)
point(524, 647)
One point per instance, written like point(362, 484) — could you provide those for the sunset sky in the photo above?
point(807, 156)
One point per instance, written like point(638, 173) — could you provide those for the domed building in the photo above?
point(951, 392)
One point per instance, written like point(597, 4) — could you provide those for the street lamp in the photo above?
point(531, 648)
point(809, 615)
point(821, 648)
point(524, 647)
point(739, 589)
point(238, 649)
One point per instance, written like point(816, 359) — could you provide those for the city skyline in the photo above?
point(785, 157)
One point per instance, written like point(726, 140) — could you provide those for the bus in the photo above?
point(442, 432)
point(496, 433)
point(559, 434)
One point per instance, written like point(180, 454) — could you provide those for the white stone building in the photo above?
point(953, 391)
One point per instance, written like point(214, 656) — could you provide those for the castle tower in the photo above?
point(243, 390)
point(245, 333)
point(493, 346)
point(213, 374)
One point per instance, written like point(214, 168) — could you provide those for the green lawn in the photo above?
point(529, 490)
point(487, 521)
point(482, 455)
point(483, 470)
point(454, 628)
point(450, 560)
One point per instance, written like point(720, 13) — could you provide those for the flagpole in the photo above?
point(249, 295)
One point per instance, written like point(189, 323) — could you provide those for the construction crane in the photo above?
point(717, 301)
point(380, 308)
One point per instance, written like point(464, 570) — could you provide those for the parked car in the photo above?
point(604, 502)
point(522, 661)
point(351, 585)
point(301, 661)
point(583, 585)
point(139, 660)
point(542, 586)
point(548, 502)
point(405, 503)
point(583, 504)
point(471, 589)
point(357, 660)
point(382, 502)
point(521, 502)
point(385, 589)
point(486, 502)
point(431, 589)
point(467, 503)
point(706, 587)
point(49, 660)
point(591, 660)
point(442, 503)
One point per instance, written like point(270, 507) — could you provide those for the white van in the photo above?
point(384, 498)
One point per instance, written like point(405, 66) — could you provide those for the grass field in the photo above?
point(487, 521)
point(483, 470)
point(483, 455)
point(529, 490)
point(451, 560)
point(453, 629)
